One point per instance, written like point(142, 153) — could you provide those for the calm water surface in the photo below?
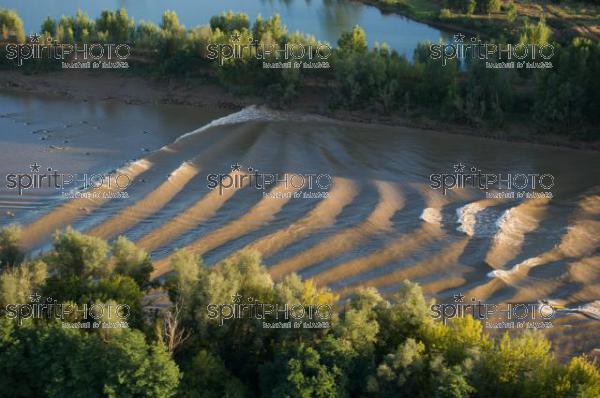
point(325, 19)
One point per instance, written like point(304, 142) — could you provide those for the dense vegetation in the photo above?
point(374, 347)
point(562, 99)
point(495, 18)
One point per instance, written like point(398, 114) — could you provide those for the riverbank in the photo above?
point(129, 89)
point(566, 20)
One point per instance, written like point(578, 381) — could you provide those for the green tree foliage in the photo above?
point(463, 6)
point(511, 11)
point(537, 34)
point(568, 94)
point(487, 93)
point(19, 282)
point(580, 378)
point(11, 253)
point(519, 367)
point(114, 26)
point(437, 84)
point(80, 255)
point(11, 26)
point(372, 348)
point(49, 27)
point(209, 378)
point(355, 40)
point(131, 261)
point(300, 374)
point(49, 361)
point(230, 21)
point(489, 6)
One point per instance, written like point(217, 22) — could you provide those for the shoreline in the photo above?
point(113, 86)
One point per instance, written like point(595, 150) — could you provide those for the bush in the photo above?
point(489, 6)
point(11, 26)
point(11, 253)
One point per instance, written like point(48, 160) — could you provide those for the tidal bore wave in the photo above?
point(378, 222)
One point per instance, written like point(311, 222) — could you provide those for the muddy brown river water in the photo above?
point(373, 215)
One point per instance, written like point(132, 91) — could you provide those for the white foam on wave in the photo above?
point(432, 215)
point(252, 113)
point(509, 224)
point(247, 114)
point(506, 274)
point(467, 218)
point(590, 310)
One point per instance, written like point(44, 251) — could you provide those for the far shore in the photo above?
point(126, 88)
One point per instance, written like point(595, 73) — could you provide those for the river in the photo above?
point(381, 219)
point(325, 19)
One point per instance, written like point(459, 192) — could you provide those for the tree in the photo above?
point(185, 283)
point(207, 377)
point(114, 26)
point(80, 255)
point(49, 26)
point(511, 11)
point(463, 339)
point(519, 367)
point(228, 22)
point(405, 318)
point(489, 6)
point(537, 34)
point(567, 94)
point(49, 361)
point(465, 6)
point(401, 373)
point(11, 26)
point(11, 253)
point(580, 378)
point(171, 332)
point(132, 261)
point(19, 282)
point(299, 373)
point(275, 28)
point(487, 93)
point(354, 41)
point(170, 22)
point(173, 35)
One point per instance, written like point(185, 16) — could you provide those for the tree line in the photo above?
point(561, 99)
point(373, 347)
